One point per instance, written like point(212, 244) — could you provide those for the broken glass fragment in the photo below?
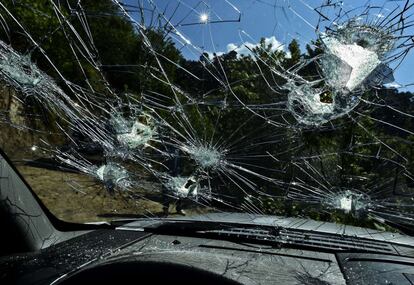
point(113, 175)
point(134, 134)
point(205, 156)
point(18, 69)
point(350, 202)
point(183, 187)
point(347, 65)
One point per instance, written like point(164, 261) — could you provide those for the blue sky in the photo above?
point(278, 20)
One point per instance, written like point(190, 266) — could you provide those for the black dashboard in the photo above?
point(112, 255)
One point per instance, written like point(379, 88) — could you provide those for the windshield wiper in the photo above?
point(191, 227)
point(273, 236)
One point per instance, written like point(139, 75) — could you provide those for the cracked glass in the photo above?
point(147, 108)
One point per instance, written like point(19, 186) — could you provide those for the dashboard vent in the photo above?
point(305, 239)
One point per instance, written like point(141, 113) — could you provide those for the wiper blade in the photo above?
point(168, 226)
point(265, 235)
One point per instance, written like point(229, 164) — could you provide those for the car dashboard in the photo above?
point(219, 257)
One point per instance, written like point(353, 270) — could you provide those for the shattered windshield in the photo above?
point(150, 108)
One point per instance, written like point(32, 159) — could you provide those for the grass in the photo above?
point(78, 198)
